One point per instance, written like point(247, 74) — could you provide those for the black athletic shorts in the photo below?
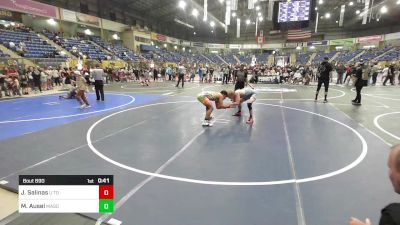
point(239, 85)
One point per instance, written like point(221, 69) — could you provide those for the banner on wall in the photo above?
point(29, 6)
point(198, 44)
point(272, 46)
point(368, 39)
point(158, 37)
point(392, 36)
point(347, 41)
point(68, 15)
point(235, 46)
point(251, 46)
point(290, 45)
point(87, 19)
point(317, 43)
point(172, 40)
point(185, 43)
point(211, 45)
point(10, 16)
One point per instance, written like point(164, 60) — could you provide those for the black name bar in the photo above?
point(66, 179)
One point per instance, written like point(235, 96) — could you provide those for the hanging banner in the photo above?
point(87, 19)
point(251, 46)
point(290, 45)
point(238, 28)
point(347, 41)
point(172, 40)
point(31, 7)
point(185, 43)
point(198, 44)
point(392, 36)
point(368, 39)
point(158, 37)
point(317, 43)
point(211, 45)
point(235, 46)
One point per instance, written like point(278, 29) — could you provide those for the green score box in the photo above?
point(106, 205)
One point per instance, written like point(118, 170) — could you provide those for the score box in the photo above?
point(66, 194)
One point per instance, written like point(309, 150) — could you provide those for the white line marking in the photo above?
point(3, 182)
point(126, 197)
point(376, 135)
point(305, 99)
point(376, 122)
point(74, 115)
point(51, 103)
point(207, 182)
point(169, 93)
point(299, 204)
point(113, 221)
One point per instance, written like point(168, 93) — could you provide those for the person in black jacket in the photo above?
point(324, 71)
point(390, 215)
point(362, 72)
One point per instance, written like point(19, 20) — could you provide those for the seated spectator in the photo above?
point(390, 215)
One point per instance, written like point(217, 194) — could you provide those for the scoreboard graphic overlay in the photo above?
point(66, 194)
point(294, 11)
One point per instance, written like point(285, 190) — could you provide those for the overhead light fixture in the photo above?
point(175, 47)
point(259, 13)
point(351, 3)
point(183, 49)
point(212, 23)
point(337, 21)
point(195, 12)
point(316, 8)
point(298, 48)
point(234, 13)
point(312, 47)
point(204, 19)
point(358, 12)
point(165, 45)
point(398, 2)
point(115, 36)
point(261, 18)
point(258, 8)
point(212, 31)
point(320, 2)
point(194, 33)
point(327, 15)
point(88, 32)
point(248, 21)
point(221, 1)
point(182, 4)
point(51, 22)
point(384, 9)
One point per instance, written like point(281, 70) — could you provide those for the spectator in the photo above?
point(390, 215)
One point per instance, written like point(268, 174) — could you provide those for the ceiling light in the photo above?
point(234, 13)
point(320, 2)
point(195, 13)
point(358, 12)
point(351, 3)
point(115, 36)
point(298, 48)
point(259, 13)
point(51, 21)
point(212, 24)
point(327, 15)
point(221, 1)
point(204, 19)
point(212, 31)
point(337, 21)
point(398, 2)
point(316, 8)
point(182, 4)
point(88, 32)
point(165, 45)
point(194, 33)
point(248, 22)
point(261, 19)
point(312, 47)
point(257, 8)
point(175, 47)
point(384, 9)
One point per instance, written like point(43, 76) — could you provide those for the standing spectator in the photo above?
point(24, 83)
point(390, 215)
point(98, 75)
point(56, 76)
point(374, 71)
point(241, 78)
point(362, 76)
point(3, 85)
point(169, 72)
point(181, 74)
point(43, 79)
point(340, 71)
point(389, 75)
point(200, 71)
point(211, 71)
point(225, 78)
point(324, 71)
point(36, 79)
point(81, 86)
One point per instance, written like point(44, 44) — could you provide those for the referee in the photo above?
point(98, 75)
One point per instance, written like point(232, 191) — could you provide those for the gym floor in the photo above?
point(301, 162)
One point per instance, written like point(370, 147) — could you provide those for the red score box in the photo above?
point(106, 192)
